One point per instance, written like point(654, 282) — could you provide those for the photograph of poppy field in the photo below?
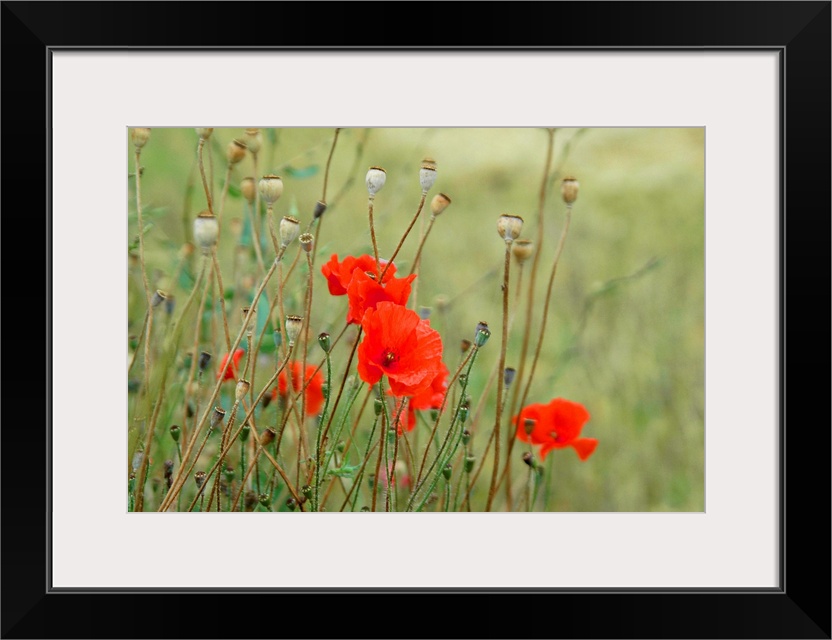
point(415, 320)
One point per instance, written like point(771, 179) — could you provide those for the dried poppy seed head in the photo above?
point(320, 207)
point(427, 175)
point(235, 151)
point(204, 359)
point(140, 136)
point(206, 231)
point(508, 376)
point(217, 417)
point(289, 229)
point(528, 458)
point(204, 132)
point(439, 203)
point(158, 298)
point(569, 190)
point(305, 240)
point(271, 188)
point(199, 478)
point(241, 389)
point(293, 325)
point(522, 250)
point(375, 180)
point(509, 227)
point(267, 437)
point(254, 140)
point(248, 187)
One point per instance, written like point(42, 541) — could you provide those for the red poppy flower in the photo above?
point(430, 398)
point(365, 293)
point(234, 368)
point(556, 425)
point(400, 345)
point(338, 275)
point(314, 391)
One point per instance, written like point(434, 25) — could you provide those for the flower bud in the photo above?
point(254, 140)
point(375, 180)
point(569, 190)
point(158, 298)
point(509, 226)
point(140, 136)
point(217, 417)
point(325, 341)
point(482, 334)
point(199, 478)
point(245, 431)
point(241, 389)
point(320, 207)
point(439, 203)
point(235, 151)
point(522, 250)
point(306, 240)
point(175, 432)
point(204, 132)
point(249, 189)
point(447, 470)
point(206, 231)
point(204, 359)
point(469, 463)
point(271, 188)
point(293, 325)
point(289, 229)
point(508, 376)
point(267, 437)
point(427, 174)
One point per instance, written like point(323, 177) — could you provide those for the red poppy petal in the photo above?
point(584, 447)
point(568, 418)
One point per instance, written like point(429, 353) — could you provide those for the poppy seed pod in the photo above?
point(305, 240)
point(217, 417)
point(439, 203)
point(158, 297)
point(206, 231)
point(175, 432)
point(245, 431)
point(271, 188)
point(375, 180)
point(204, 132)
point(289, 229)
point(483, 333)
point(522, 250)
point(241, 389)
point(235, 151)
point(267, 437)
point(254, 140)
point(509, 227)
point(320, 207)
point(569, 190)
point(293, 325)
point(249, 189)
point(325, 341)
point(204, 359)
point(140, 136)
point(199, 478)
point(427, 175)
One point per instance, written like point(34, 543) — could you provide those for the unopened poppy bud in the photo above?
point(292, 504)
point(140, 136)
point(320, 207)
point(375, 180)
point(528, 426)
point(522, 250)
point(158, 298)
point(508, 376)
point(293, 325)
point(217, 417)
point(447, 470)
point(241, 389)
point(254, 140)
point(228, 472)
point(175, 432)
point(466, 436)
point(204, 359)
point(271, 188)
point(249, 189)
point(378, 405)
point(482, 334)
point(439, 203)
point(289, 229)
point(569, 190)
point(235, 151)
point(509, 227)
point(199, 478)
point(306, 490)
point(427, 175)
point(267, 437)
point(306, 240)
point(469, 463)
point(245, 431)
point(264, 499)
point(325, 341)
point(528, 458)
point(206, 231)
point(464, 346)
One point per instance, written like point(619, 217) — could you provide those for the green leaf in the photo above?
point(234, 191)
point(345, 472)
point(301, 172)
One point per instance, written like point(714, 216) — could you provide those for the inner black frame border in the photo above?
point(798, 31)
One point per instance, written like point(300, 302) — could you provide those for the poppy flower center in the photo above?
point(554, 435)
point(389, 358)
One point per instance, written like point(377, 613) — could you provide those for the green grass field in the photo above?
point(625, 329)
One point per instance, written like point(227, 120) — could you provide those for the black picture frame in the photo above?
point(799, 31)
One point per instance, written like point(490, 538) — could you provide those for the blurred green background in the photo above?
point(625, 334)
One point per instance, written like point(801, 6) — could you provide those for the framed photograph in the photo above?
point(621, 450)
